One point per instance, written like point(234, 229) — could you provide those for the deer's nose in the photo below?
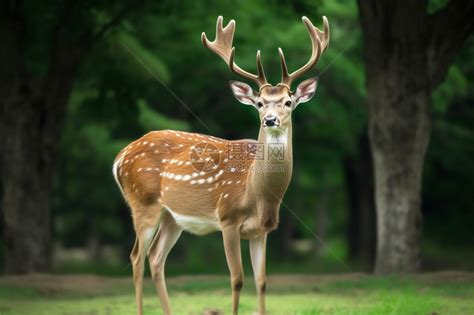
point(271, 121)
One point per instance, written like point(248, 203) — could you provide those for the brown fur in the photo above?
point(176, 181)
point(141, 173)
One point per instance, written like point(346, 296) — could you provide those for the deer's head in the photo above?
point(274, 103)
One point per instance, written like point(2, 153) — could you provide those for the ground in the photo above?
point(354, 293)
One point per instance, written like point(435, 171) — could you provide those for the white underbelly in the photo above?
point(195, 225)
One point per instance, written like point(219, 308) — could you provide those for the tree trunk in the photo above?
point(398, 97)
point(407, 52)
point(361, 225)
point(399, 141)
point(27, 180)
point(33, 115)
point(32, 109)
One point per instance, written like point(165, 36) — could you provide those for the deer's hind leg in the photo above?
point(167, 235)
point(146, 221)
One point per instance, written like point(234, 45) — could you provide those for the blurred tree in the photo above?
point(407, 53)
point(361, 221)
point(448, 182)
point(43, 44)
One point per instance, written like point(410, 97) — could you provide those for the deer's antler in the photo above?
point(319, 41)
point(222, 46)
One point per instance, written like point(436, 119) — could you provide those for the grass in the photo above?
point(434, 293)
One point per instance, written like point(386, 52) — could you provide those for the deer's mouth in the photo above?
point(272, 127)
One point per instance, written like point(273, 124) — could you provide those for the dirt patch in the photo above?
point(51, 285)
point(444, 277)
point(90, 285)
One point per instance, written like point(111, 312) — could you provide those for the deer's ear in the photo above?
point(305, 91)
point(243, 92)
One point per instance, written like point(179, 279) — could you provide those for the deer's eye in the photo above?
point(288, 103)
point(259, 104)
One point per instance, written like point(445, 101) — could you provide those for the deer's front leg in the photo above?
point(231, 238)
point(257, 254)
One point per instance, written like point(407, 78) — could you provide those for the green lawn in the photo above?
point(433, 293)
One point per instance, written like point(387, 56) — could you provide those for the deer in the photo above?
point(176, 181)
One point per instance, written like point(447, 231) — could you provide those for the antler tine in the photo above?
point(325, 34)
point(284, 68)
point(222, 46)
point(261, 72)
point(319, 41)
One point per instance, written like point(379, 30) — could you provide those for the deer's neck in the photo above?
point(271, 172)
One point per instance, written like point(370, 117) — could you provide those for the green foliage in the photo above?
point(449, 169)
point(153, 120)
point(128, 86)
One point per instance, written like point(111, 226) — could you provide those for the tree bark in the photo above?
point(32, 110)
point(398, 96)
point(31, 125)
point(399, 141)
point(402, 46)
